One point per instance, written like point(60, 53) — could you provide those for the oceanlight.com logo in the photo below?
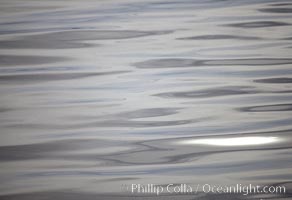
point(202, 188)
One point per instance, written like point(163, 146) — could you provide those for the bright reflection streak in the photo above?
point(235, 141)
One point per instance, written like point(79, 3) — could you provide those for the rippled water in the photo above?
point(100, 94)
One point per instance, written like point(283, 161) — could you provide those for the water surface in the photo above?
point(96, 95)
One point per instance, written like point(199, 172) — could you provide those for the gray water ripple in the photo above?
point(220, 37)
point(282, 80)
point(208, 93)
point(268, 108)
point(33, 78)
point(139, 124)
point(73, 39)
point(151, 112)
point(42, 44)
point(17, 60)
point(259, 24)
point(179, 62)
point(276, 10)
point(50, 149)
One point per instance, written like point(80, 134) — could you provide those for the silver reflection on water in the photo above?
point(232, 141)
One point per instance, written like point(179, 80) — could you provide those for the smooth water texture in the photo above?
point(96, 95)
